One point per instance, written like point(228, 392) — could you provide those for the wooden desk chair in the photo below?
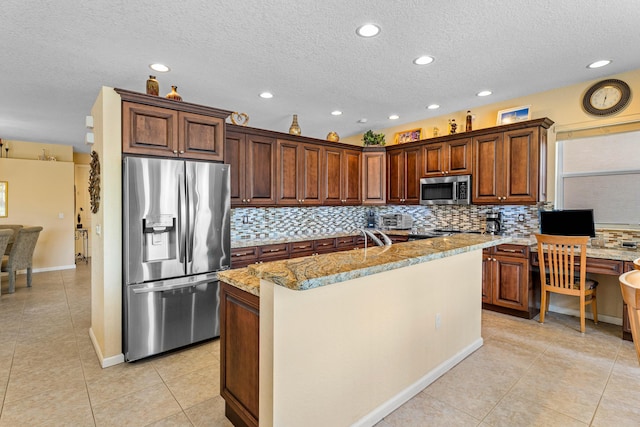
point(630, 288)
point(560, 257)
point(21, 255)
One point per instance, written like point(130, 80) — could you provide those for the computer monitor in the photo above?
point(570, 222)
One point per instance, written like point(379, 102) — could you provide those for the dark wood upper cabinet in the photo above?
point(510, 166)
point(341, 176)
point(404, 170)
point(299, 173)
point(253, 169)
point(156, 126)
point(374, 170)
point(352, 177)
point(447, 158)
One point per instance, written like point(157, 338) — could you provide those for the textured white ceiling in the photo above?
point(55, 56)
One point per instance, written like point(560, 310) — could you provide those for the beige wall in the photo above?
point(106, 233)
point(33, 150)
point(351, 352)
point(41, 193)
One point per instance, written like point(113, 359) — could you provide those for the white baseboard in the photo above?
point(576, 313)
point(104, 362)
point(43, 269)
point(405, 395)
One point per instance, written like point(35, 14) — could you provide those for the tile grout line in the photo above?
point(606, 384)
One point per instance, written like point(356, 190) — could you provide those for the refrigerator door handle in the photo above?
point(171, 285)
point(168, 287)
point(182, 223)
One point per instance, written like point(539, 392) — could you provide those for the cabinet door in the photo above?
point(488, 166)
point(240, 353)
point(333, 176)
point(287, 170)
point(352, 178)
point(412, 175)
point(522, 166)
point(511, 282)
point(458, 157)
point(310, 173)
point(487, 276)
point(235, 156)
point(433, 156)
point(149, 130)
point(260, 170)
point(201, 137)
point(374, 183)
point(395, 177)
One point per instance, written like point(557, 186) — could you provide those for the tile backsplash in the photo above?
point(275, 222)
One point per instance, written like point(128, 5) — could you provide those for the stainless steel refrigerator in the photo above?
point(176, 236)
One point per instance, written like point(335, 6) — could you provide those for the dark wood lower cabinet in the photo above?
point(239, 355)
point(626, 326)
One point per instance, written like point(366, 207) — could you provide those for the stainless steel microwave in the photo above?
point(446, 190)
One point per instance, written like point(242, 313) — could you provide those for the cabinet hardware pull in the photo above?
point(181, 151)
point(508, 250)
point(248, 200)
point(175, 151)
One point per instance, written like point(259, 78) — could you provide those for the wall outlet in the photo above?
point(438, 321)
point(61, 215)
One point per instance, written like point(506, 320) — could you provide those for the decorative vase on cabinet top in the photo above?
point(333, 137)
point(153, 87)
point(295, 128)
point(174, 94)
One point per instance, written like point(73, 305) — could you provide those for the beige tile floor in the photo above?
point(526, 374)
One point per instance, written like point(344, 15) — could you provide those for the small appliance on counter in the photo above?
point(397, 221)
point(371, 219)
point(494, 223)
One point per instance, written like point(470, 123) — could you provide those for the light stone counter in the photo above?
point(321, 270)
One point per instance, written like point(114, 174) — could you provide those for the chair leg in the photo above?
point(12, 281)
point(543, 305)
point(29, 277)
point(582, 322)
point(594, 307)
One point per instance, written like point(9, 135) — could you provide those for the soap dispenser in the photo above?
point(371, 219)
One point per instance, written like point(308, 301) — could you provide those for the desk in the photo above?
point(611, 262)
point(83, 234)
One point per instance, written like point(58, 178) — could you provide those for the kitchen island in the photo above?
point(346, 338)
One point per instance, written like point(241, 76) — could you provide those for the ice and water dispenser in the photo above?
point(160, 240)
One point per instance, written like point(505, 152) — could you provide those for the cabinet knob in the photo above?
point(181, 151)
point(442, 172)
point(175, 151)
point(244, 200)
point(248, 200)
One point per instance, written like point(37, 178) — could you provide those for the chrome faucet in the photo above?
point(368, 233)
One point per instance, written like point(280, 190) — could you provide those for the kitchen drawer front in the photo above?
point(300, 247)
point(324, 245)
point(594, 265)
point(512, 250)
point(346, 242)
point(397, 238)
point(241, 257)
point(273, 252)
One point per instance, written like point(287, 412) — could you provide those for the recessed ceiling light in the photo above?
point(394, 117)
point(336, 113)
point(433, 107)
point(423, 60)
point(599, 64)
point(484, 93)
point(362, 121)
point(266, 95)
point(368, 30)
point(161, 68)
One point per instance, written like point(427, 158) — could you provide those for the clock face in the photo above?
point(606, 97)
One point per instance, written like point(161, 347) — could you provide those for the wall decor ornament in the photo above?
point(453, 126)
point(94, 182)
point(295, 128)
point(4, 199)
point(241, 119)
point(408, 136)
point(333, 137)
point(153, 87)
point(174, 95)
point(513, 115)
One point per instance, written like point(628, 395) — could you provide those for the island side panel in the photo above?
point(355, 350)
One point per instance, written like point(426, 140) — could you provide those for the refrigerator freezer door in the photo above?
point(154, 226)
point(209, 211)
point(169, 314)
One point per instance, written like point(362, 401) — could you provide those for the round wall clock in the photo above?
point(94, 182)
point(606, 97)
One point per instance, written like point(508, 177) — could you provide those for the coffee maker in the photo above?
point(494, 223)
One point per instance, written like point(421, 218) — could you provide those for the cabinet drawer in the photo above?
point(346, 242)
point(244, 253)
point(594, 265)
point(324, 245)
point(512, 250)
point(298, 247)
point(273, 252)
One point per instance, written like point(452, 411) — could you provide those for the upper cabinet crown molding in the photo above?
point(158, 101)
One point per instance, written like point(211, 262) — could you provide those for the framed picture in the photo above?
point(512, 115)
point(408, 136)
point(4, 199)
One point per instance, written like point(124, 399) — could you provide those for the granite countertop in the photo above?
point(321, 270)
point(273, 238)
